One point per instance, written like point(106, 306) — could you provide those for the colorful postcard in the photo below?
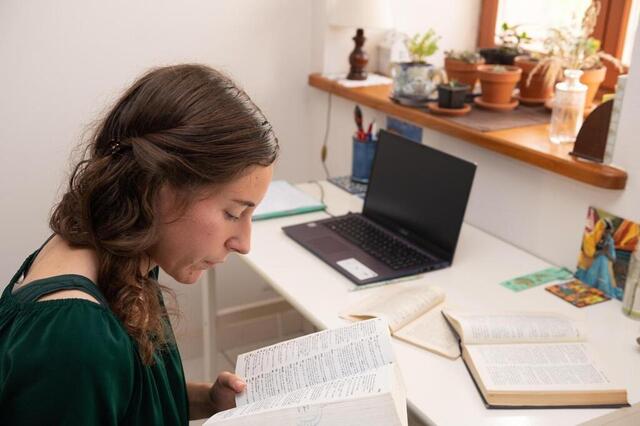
point(607, 245)
point(578, 293)
point(404, 128)
point(537, 278)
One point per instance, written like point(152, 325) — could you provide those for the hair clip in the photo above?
point(115, 146)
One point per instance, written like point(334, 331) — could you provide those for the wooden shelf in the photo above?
point(529, 144)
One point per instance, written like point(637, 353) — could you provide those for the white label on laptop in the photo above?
point(356, 269)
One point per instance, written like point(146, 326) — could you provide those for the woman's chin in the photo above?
point(189, 277)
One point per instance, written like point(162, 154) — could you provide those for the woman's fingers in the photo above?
point(232, 381)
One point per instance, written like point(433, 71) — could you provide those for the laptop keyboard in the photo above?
point(384, 247)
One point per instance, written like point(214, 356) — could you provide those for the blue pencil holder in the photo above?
point(362, 160)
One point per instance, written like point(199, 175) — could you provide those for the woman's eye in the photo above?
point(231, 217)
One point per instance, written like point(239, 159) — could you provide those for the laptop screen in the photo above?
point(419, 192)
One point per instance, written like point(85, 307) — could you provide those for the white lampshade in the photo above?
point(361, 14)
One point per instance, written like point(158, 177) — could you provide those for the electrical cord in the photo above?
point(321, 190)
point(324, 149)
point(323, 153)
point(322, 196)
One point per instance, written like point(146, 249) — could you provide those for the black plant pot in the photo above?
point(496, 55)
point(452, 97)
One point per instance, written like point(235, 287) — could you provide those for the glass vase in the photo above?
point(568, 108)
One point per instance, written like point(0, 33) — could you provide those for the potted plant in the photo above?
point(462, 66)
point(421, 46)
point(534, 88)
point(574, 48)
point(508, 48)
point(417, 79)
point(451, 95)
point(498, 82)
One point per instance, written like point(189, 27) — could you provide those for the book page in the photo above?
point(536, 367)
point(398, 304)
point(431, 331)
point(373, 382)
point(525, 327)
point(313, 359)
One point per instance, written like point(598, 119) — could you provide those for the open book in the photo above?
point(414, 314)
point(533, 360)
point(344, 376)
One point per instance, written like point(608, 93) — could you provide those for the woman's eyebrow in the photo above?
point(244, 203)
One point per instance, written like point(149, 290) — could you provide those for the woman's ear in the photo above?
point(168, 207)
point(172, 203)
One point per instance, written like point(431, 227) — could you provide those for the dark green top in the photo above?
point(71, 362)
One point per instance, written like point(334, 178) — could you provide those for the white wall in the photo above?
point(64, 62)
point(539, 211)
point(456, 24)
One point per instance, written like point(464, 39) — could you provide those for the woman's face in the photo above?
point(210, 228)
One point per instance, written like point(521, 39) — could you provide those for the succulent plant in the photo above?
point(421, 46)
point(510, 38)
point(467, 56)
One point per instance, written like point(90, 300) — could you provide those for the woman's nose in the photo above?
point(241, 242)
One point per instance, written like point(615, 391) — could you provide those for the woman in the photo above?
point(598, 255)
point(170, 179)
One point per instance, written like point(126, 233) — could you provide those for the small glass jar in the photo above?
point(568, 108)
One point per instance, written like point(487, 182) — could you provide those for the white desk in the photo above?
point(439, 390)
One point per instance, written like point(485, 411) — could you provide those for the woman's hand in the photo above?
point(206, 399)
point(223, 392)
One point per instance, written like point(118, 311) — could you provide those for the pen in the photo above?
point(371, 130)
point(357, 113)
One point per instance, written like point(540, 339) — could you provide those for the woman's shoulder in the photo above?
point(71, 356)
point(71, 331)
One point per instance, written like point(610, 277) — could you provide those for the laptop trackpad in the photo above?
point(328, 245)
point(357, 269)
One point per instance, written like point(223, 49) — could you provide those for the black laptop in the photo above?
point(411, 220)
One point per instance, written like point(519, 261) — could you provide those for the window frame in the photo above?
point(611, 30)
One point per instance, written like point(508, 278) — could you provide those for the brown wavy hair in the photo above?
point(187, 126)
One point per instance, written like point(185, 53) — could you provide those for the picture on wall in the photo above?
point(607, 245)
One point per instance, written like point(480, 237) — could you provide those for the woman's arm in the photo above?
point(206, 399)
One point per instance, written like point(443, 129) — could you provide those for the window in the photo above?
point(616, 26)
point(632, 27)
point(534, 17)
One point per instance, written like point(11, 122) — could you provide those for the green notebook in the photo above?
point(284, 199)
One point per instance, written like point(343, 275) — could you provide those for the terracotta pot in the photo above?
point(536, 92)
point(497, 86)
point(593, 79)
point(461, 71)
